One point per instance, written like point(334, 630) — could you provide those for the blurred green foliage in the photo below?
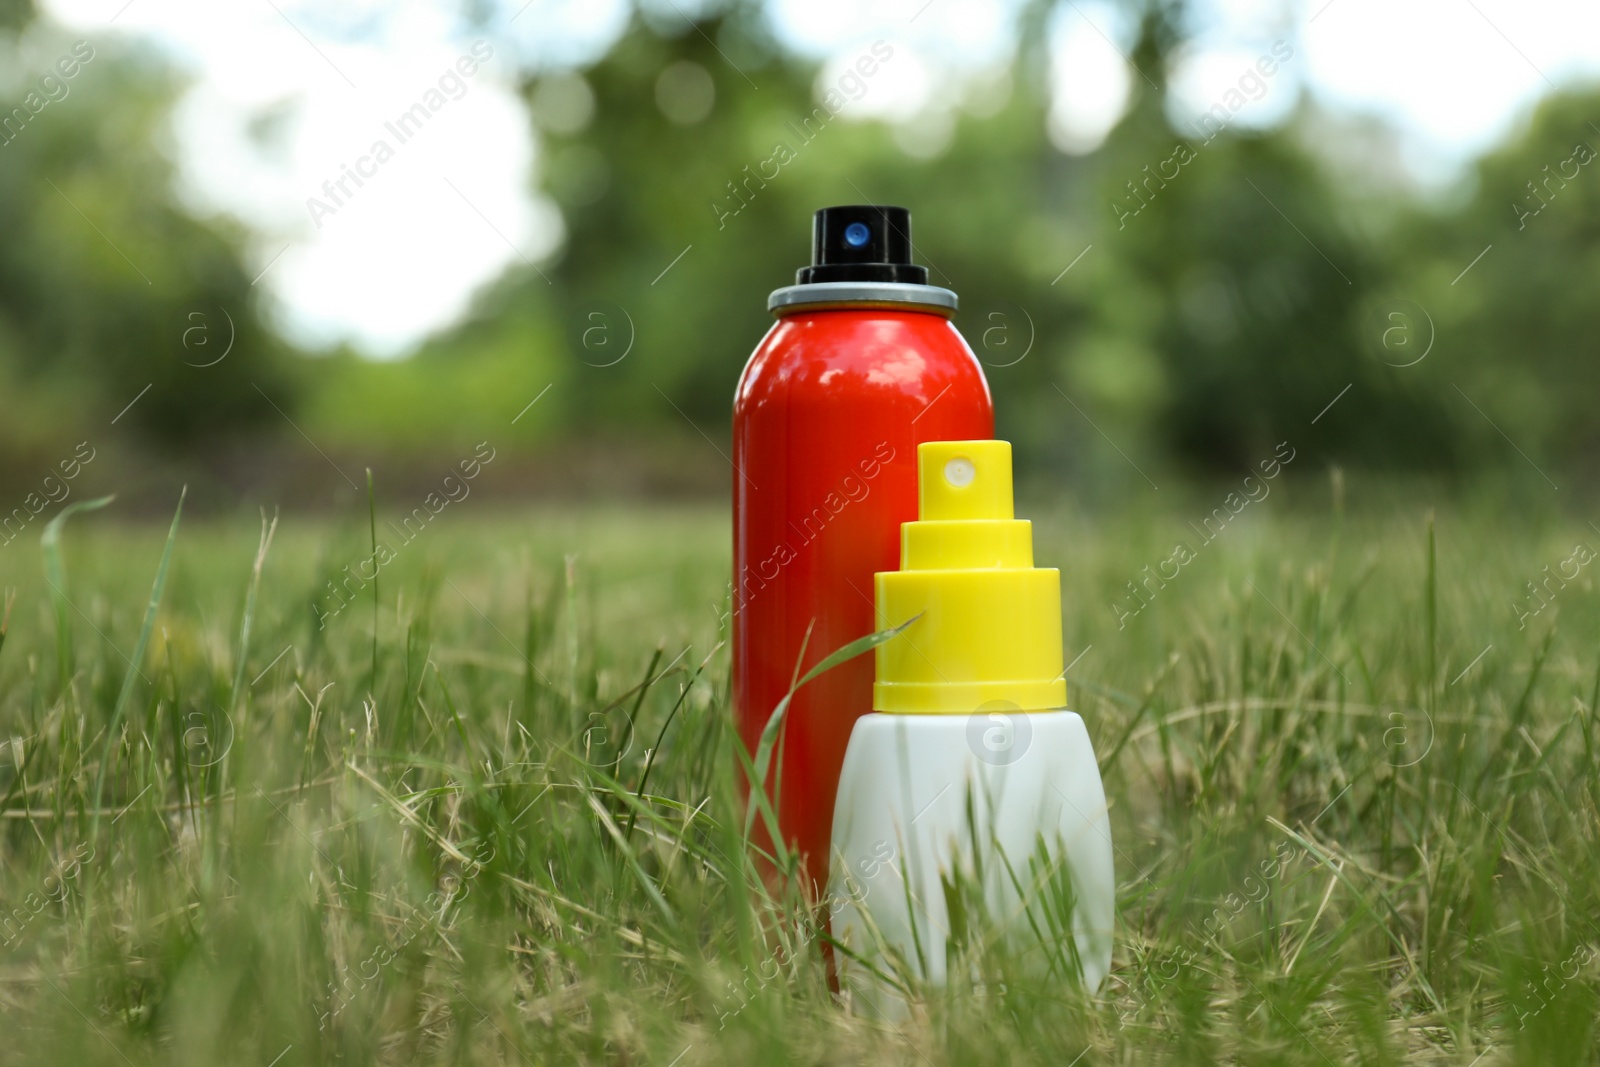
point(1521, 324)
point(1213, 312)
point(15, 14)
point(1223, 290)
point(106, 285)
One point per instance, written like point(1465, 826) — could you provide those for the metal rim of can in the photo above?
point(861, 294)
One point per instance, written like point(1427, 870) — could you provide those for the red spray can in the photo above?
point(862, 366)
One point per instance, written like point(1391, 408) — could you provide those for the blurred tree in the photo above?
point(1237, 298)
point(1508, 279)
point(107, 286)
point(687, 163)
point(1222, 307)
point(1219, 295)
point(635, 151)
point(15, 14)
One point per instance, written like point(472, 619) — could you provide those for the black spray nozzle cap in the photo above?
point(861, 243)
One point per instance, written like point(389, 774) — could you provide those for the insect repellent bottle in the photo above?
point(862, 365)
point(970, 801)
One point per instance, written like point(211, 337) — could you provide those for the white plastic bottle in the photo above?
point(970, 784)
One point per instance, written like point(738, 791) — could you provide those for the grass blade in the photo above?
point(56, 574)
point(372, 525)
point(769, 735)
point(120, 709)
point(650, 757)
point(5, 620)
point(250, 607)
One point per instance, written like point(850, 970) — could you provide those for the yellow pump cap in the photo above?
point(990, 627)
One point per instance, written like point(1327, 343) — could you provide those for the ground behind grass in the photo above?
point(1352, 772)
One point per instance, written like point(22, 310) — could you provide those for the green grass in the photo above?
point(1342, 836)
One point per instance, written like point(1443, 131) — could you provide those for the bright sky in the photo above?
point(287, 95)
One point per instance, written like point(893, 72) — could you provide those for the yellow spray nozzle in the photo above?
point(964, 507)
point(963, 480)
point(988, 629)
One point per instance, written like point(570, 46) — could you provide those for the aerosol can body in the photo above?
point(862, 366)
